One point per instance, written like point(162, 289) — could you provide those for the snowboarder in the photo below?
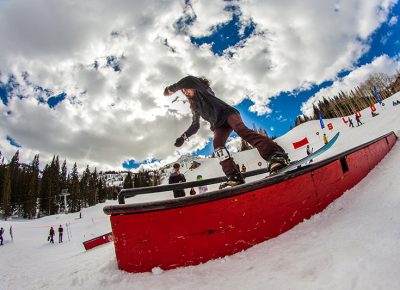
point(358, 120)
point(60, 233)
point(177, 177)
point(350, 122)
point(51, 235)
point(223, 119)
point(1, 236)
point(202, 188)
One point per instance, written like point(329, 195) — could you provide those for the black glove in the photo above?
point(179, 142)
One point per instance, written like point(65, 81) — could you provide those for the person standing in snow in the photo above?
point(11, 234)
point(358, 120)
point(1, 236)
point(202, 188)
point(60, 233)
point(177, 177)
point(51, 235)
point(223, 119)
point(350, 122)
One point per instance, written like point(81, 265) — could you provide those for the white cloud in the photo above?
point(110, 116)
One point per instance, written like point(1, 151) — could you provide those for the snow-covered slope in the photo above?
point(353, 244)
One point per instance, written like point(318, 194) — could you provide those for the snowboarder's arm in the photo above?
point(188, 82)
point(194, 127)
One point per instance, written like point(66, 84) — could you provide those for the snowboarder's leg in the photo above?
point(230, 168)
point(267, 148)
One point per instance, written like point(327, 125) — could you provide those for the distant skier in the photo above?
point(1, 236)
point(244, 169)
point(350, 122)
point(223, 119)
point(358, 120)
point(177, 177)
point(60, 234)
point(11, 233)
point(51, 235)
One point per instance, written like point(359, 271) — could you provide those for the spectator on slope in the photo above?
point(192, 191)
point(177, 177)
point(350, 122)
point(1, 236)
point(309, 151)
point(60, 234)
point(201, 188)
point(11, 234)
point(51, 235)
point(223, 119)
point(325, 139)
point(358, 120)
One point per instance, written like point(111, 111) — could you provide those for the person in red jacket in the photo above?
point(51, 235)
point(223, 119)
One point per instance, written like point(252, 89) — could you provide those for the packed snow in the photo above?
point(352, 244)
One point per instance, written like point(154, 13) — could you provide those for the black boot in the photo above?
point(235, 178)
point(277, 161)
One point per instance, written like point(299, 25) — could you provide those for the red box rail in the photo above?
point(196, 229)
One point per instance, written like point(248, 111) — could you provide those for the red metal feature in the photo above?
point(196, 232)
point(90, 244)
point(372, 107)
point(330, 126)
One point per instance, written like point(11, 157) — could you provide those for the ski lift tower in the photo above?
point(64, 193)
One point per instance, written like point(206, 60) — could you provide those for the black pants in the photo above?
point(179, 193)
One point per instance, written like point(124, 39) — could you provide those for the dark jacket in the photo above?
point(206, 104)
point(176, 178)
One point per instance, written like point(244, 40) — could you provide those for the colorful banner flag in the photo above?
point(377, 95)
point(300, 143)
point(321, 122)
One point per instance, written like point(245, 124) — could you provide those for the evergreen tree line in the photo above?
point(361, 97)
point(29, 193)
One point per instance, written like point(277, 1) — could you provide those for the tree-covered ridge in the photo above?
point(27, 192)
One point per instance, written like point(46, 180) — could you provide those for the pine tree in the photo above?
point(30, 204)
point(16, 183)
point(75, 197)
point(128, 182)
point(6, 193)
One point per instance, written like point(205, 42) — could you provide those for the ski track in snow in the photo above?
point(352, 244)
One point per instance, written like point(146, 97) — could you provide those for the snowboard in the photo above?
point(297, 163)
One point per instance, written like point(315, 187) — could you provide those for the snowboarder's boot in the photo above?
point(277, 161)
point(235, 178)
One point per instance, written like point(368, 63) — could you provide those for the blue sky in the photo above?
point(95, 97)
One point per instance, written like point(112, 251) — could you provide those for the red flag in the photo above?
point(300, 143)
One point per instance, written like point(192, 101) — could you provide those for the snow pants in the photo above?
point(234, 122)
